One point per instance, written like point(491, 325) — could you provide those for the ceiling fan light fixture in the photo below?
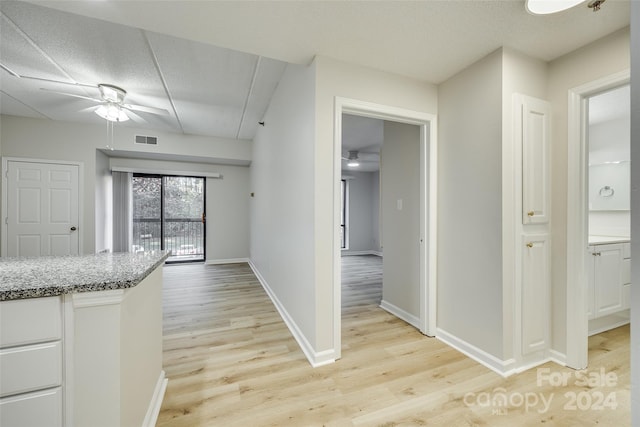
point(112, 112)
point(546, 7)
point(352, 161)
point(112, 93)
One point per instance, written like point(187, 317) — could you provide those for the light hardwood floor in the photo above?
point(231, 361)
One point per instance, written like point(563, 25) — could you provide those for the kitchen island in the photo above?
point(81, 340)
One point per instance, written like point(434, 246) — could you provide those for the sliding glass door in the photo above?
point(169, 213)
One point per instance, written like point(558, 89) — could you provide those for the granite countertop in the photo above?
point(604, 240)
point(49, 276)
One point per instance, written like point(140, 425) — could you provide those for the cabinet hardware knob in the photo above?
point(531, 213)
point(530, 244)
point(73, 228)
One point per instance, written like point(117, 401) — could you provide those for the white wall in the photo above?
point(609, 142)
point(282, 209)
point(604, 57)
point(336, 78)
point(400, 203)
point(51, 140)
point(469, 205)
point(635, 213)
point(363, 209)
point(227, 203)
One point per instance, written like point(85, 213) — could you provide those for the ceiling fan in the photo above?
point(355, 158)
point(112, 106)
point(111, 100)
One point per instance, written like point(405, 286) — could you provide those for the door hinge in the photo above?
point(6, 220)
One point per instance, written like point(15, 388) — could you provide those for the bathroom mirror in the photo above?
point(609, 188)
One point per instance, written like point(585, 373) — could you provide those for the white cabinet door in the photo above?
point(535, 296)
point(532, 127)
point(608, 279)
point(43, 209)
point(591, 283)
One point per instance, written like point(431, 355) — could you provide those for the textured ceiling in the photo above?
point(207, 90)
point(428, 40)
point(208, 62)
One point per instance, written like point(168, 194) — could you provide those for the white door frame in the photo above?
point(5, 197)
point(577, 215)
point(428, 206)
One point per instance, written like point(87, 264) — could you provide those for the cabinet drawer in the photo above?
point(626, 271)
point(42, 408)
point(30, 368)
point(32, 320)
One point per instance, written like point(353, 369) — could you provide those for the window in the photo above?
point(169, 213)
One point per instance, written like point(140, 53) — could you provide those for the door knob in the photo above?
point(73, 228)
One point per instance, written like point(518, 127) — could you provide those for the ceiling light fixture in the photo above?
point(112, 112)
point(353, 159)
point(546, 7)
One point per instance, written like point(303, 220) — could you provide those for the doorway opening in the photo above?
point(425, 237)
point(169, 214)
point(582, 255)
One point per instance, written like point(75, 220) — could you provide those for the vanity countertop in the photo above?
point(35, 277)
point(604, 240)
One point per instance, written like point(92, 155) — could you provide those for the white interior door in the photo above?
point(42, 209)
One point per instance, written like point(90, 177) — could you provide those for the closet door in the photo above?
point(535, 134)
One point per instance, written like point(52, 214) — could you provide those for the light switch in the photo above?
point(399, 204)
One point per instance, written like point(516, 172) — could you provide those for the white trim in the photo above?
point(5, 197)
point(99, 298)
point(503, 368)
point(400, 313)
point(315, 358)
point(347, 252)
point(153, 410)
point(226, 261)
point(557, 357)
point(428, 205)
point(68, 340)
point(165, 172)
point(577, 222)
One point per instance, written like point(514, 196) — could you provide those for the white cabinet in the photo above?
point(31, 362)
point(608, 286)
point(531, 220)
point(535, 294)
point(606, 278)
point(536, 184)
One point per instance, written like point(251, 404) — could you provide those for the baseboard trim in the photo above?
point(151, 417)
point(356, 253)
point(315, 358)
point(226, 261)
point(557, 357)
point(400, 313)
point(503, 368)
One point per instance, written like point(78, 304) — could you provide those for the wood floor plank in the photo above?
point(231, 361)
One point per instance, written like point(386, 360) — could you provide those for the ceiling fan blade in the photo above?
point(73, 95)
point(145, 109)
point(42, 79)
